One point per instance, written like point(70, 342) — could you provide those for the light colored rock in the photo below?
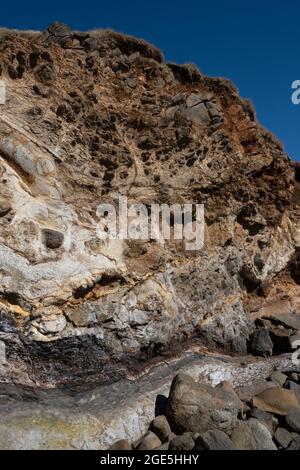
point(252, 435)
point(276, 400)
point(2, 92)
point(2, 353)
point(247, 392)
point(51, 325)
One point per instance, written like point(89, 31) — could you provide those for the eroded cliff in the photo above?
point(89, 117)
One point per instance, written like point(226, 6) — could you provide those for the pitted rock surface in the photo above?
point(91, 116)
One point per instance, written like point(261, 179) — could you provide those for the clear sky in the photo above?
point(256, 44)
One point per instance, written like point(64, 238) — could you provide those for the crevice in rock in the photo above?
point(15, 299)
point(105, 280)
point(295, 268)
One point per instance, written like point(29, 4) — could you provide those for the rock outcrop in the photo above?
point(213, 418)
point(89, 117)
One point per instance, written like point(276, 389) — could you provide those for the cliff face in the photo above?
point(89, 117)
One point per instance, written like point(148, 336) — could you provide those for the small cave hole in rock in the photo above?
point(52, 239)
point(297, 172)
point(295, 267)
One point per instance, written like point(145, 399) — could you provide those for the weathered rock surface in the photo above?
point(58, 419)
point(283, 438)
point(252, 435)
point(214, 440)
point(122, 444)
point(261, 343)
point(199, 408)
point(149, 442)
point(92, 116)
point(293, 420)
point(89, 117)
point(183, 442)
point(254, 429)
point(277, 400)
point(161, 428)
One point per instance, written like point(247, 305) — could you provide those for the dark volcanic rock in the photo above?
point(276, 400)
point(214, 440)
point(59, 33)
point(261, 343)
point(292, 420)
point(161, 428)
point(183, 442)
point(52, 239)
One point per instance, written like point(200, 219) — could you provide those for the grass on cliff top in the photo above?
point(128, 44)
point(19, 32)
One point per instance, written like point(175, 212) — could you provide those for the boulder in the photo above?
point(199, 407)
point(265, 418)
point(295, 444)
point(295, 387)
point(278, 377)
point(294, 377)
point(59, 33)
point(247, 392)
point(161, 428)
point(252, 435)
point(122, 444)
point(200, 108)
point(183, 442)
point(283, 438)
point(276, 400)
point(198, 113)
point(164, 446)
point(214, 440)
point(90, 44)
point(261, 343)
point(149, 442)
point(292, 420)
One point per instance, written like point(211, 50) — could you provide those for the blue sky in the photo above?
point(252, 43)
